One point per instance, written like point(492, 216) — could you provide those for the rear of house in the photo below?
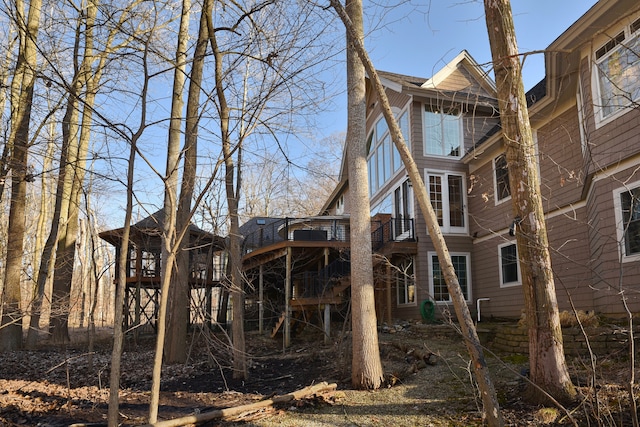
point(586, 126)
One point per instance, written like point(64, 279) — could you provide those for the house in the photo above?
point(586, 126)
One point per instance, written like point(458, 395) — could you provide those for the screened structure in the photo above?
point(207, 263)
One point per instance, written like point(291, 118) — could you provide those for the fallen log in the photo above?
point(229, 412)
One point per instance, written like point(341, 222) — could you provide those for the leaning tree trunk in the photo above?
point(481, 370)
point(548, 368)
point(366, 368)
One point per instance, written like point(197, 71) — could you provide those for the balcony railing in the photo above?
point(391, 230)
point(326, 228)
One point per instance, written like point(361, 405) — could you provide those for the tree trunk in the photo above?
point(232, 188)
point(44, 217)
point(175, 346)
point(123, 252)
point(481, 371)
point(170, 201)
point(78, 149)
point(366, 368)
point(548, 369)
point(24, 79)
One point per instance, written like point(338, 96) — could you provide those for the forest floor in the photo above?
point(429, 376)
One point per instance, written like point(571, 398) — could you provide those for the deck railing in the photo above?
point(320, 283)
point(326, 228)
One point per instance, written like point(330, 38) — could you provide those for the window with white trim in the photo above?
point(340, 205)
point(627, 204)
point(448, 198)
point(402, 208)
point(404, 279)
point(501, 178)
point(437, 284)
point(442, 133)
point(617, 74)
point(383, 159)
point(509, 265)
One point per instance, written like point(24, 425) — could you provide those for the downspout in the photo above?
point(478, 305)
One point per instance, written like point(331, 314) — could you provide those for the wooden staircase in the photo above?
point(300, 305)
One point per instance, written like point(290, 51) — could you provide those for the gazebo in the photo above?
point(207, 263)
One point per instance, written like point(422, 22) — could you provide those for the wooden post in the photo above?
point(287, 301)
point(389, 298)
point(261, 299)
point(327, 323)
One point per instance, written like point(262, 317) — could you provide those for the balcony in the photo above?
point(328, 229)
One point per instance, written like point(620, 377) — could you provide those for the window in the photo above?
point(405, 282)
point(402, 208)
point(628, 218)
point(618, 71)
point(340, 205)
point(447, 195)
point(437, 283)
point(509, 267)
point(383, 158)
point(503, 192)
point(150, 264)
point(442, 134)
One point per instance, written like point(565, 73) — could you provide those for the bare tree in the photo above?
point(366, 368)
point(171, 177)
point(548, 368)
point(178, 319)
point(22, 88)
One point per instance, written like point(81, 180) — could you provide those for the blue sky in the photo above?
point(420, 37)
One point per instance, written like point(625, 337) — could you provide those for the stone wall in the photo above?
point(603, 340)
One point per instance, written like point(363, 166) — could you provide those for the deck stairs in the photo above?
point(300, 306)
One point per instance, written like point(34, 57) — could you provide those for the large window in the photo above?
point(447, 195)
point(501, 174)
point(383, 158)
point(402, 208)
point(442, 134)
point(628, 219)
point(509, 267)
point(618, 71)
point(437, 284)
point(405, 282)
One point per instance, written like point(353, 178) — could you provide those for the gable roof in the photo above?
point(453, 68)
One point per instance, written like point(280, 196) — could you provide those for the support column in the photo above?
point(287, 301)
point(389, 298)
point(261, 299)
point(327, 323)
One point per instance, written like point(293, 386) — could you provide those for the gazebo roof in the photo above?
point(149, 230)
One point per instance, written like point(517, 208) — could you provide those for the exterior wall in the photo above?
point(570, 257)
point(561, 160)
point(487, 215)
point(608, 272)
point(504, 302)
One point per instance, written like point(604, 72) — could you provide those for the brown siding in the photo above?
point(504, 302)
point(608, 272)
point(571, 261)
point(560, 157)
point(485, 217)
